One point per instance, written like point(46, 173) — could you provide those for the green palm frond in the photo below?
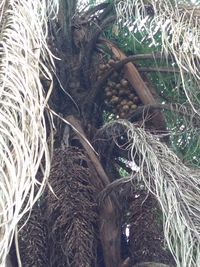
point(177, 26)
point(23, 137)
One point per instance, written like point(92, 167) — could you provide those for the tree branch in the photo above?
point(93, 157)
point(90, 48)
point(131, 74)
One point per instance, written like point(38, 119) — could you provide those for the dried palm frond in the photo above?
point(71, 210)
point(177, 27)
point(23, 137)
point(176, 187)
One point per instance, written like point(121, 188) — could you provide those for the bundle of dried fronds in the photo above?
point(33, 238)
point(177, 27)
point(71, 210)
point(23, 32)
point(175, 186)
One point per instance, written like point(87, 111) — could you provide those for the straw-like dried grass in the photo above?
point(23, 137)
point(176, 187)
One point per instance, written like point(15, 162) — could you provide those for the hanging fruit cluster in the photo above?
point(120, 98)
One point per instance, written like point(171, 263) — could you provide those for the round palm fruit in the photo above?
point(108, 94)
point(114, 57)
point(136, 100)
point(110, 83)
point(114, 99)
point(133, 106)
point(114, 84)
point(122, 115)
point(118, 86)
point(123, 102)
point(118, 106)
point(114, 92)
point(122, 92)
point(125, 107)
point(131, 96)
point(111, 61)
point(102, 66)
point(107, 66)
point(130, 102)
point(107, 89)
point(114, 75)
point(124, 82)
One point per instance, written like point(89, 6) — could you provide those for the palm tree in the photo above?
point(74, 97)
